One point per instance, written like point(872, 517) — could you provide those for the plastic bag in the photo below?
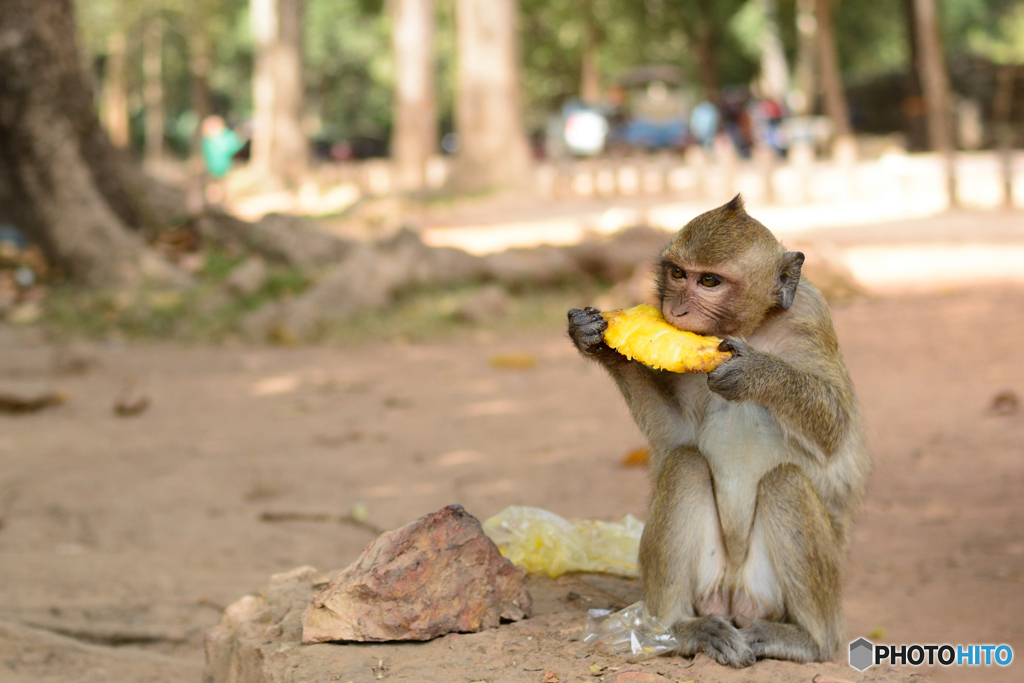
point(631, 632)
point(545, 543)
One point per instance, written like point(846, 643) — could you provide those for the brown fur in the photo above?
point(759, 467)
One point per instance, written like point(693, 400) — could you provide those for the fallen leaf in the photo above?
point(637, 458)
point(596, 668)
point(513, 360)
point(550, 677)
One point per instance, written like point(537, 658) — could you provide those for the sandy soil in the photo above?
point(121, 539)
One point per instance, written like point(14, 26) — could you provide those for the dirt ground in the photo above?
point(122, 539)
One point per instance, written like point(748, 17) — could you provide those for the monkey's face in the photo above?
point(700, 299)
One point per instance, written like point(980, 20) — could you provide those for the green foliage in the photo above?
point(1005, 45)
point(350, 70)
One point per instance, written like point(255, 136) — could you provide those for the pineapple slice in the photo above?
point(642, 333)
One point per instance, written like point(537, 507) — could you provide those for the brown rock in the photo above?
point(437, 575)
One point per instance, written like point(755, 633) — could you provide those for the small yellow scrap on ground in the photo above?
point(641, 333)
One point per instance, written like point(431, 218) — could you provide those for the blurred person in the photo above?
point(704, 124)
point(219, 146)
point(736, 121)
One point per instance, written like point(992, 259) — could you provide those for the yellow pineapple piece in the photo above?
point(642, 333)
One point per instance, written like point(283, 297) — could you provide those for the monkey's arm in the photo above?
point(649, 393)
point(815, 404)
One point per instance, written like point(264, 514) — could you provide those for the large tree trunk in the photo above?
point(279, 147)
point(1002, 103)
point(76, 195)
point(807, 39)
point(414, 137)
point(706, 43)
point(494, 151)
point(935, 82)
point(774, 69)
point(836, 107)
point(590, 71)
point(913, 102)
point(153, 89)
point(115, 89)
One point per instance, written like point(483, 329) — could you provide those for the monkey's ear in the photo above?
point(789, 277)
point(735, 204)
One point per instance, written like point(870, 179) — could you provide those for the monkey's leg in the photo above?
point(805, 558)
point(682, 561)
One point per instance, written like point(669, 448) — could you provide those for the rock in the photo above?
point(542, 265)
point(367, 278)
point(615, 257)
point(437, 575)
point(488, 304)
point(288, 240)
point(248, 277)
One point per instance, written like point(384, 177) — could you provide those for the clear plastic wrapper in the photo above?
point(631, 632)
point(545, 543)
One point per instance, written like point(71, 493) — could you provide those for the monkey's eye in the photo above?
point(678, 273)
point(709, 280)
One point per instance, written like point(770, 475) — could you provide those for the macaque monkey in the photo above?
point(758, 465)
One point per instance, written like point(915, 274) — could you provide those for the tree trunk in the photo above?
point(836, 107)
point(115, 91)
point(279, 147)
point(807, 39)
point(590, 72)
point(774, 70)
point(706, 40)
point(414, 137)
point(153, 89)
point(1002, 103)
point(76, 195)
point(199, 70)
point(493, 150)
point(913, 103)
point(935, 82)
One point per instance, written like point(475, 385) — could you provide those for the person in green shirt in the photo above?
point(219, 145)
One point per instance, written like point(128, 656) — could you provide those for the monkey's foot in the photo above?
point(715, 637)
point(780, 641)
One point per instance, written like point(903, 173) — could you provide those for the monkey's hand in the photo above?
point(586, 329)
point(734, 379)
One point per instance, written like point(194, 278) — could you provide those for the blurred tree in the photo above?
point(831, 76)
point(805, 83)
point(350, 70)
point(78, 196)
point(280, 150)
point(153, 87)
point(590, 70)
point(115, 89)
point(493, 149)
point(931, 66)
point(1005, 47)
point(414, 136)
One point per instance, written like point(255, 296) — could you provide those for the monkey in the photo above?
point(758, 465)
